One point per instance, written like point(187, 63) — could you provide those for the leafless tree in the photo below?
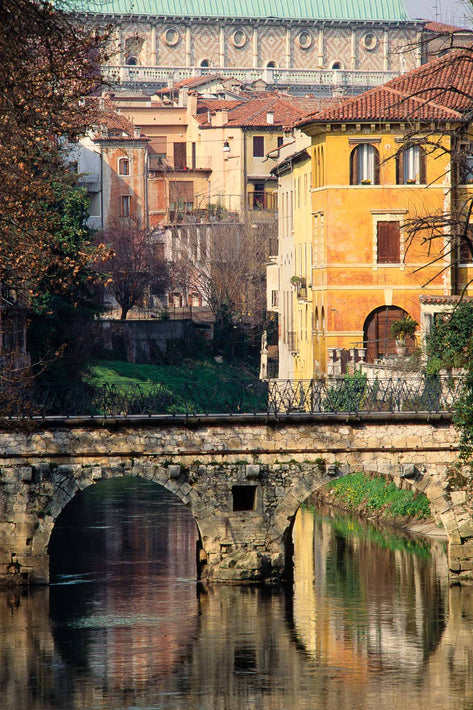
point(133, 265)
point(225, 262)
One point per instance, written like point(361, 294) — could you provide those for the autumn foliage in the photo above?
point(47, 66)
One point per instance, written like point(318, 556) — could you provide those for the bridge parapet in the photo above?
point(243, 480)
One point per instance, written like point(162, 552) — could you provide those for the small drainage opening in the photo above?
point(244, 497)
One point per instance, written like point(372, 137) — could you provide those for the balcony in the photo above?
point(357, 81)
point(300, 284)
point(263, 201)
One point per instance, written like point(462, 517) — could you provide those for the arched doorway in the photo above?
point(377, 332)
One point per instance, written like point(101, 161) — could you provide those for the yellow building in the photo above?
point(380, 162)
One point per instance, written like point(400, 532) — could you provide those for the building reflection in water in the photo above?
point(369, 623)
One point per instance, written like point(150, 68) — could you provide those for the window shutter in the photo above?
point(179, 155)
point(400, 168)
point(376, 165)
point(389, 242)
point(354, 166)
point(422, 166)
point(258, 146)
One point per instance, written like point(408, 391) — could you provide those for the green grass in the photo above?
point(193, 387)
point(103, 372)
point(359, 491)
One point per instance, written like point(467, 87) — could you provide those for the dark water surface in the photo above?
point(370, 621)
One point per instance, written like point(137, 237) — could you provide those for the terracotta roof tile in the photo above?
point(254, 112)
point(105, 115)
point(436, 91)
point(443, 29)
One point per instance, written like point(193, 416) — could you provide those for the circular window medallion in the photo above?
point(171, 36)
point(304, 39)
point(239, 39)
point(369, 41)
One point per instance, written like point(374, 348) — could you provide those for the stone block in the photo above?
point(458, 497)
point(252, 471)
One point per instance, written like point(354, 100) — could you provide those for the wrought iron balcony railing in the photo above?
point(356, 396)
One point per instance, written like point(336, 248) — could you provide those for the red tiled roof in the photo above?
point(190, 83)
point(443, 300)
point(443, 29)
point(440, 90)
point(117, 124)
point(254, 112)
point(206, 105)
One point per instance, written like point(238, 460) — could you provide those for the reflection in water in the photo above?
point(369, 623)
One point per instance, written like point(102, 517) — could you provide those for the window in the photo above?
point(239, 38)
point(388, 242)
point(171, 36)
point(304, 39)
point(466, 246)
point(466, 171)
point(369, 41)
point(410, 166)
point(258, 146)
point(280, 141)
point(125, 206)
point(123, 166)
point(337, 65)
point(179, 156)
point(271, 65)
point(205, 63)
point(364, 165)
point(274, 298)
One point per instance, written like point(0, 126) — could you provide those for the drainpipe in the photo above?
point(244, 171)
point(101, 186)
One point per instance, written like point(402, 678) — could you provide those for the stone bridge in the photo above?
point(243, 479)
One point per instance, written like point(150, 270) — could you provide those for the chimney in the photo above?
point(270, 117)
point(137, 132)
point(220, 118)
point(183, 96)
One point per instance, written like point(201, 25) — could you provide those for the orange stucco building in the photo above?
point(382, 163)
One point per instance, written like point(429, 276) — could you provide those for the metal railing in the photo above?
point(356, 396)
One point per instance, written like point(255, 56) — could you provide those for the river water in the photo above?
point(370, 621)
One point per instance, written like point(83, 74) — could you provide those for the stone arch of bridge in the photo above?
point(236, 545)
point(287, 510)
point(64, 491)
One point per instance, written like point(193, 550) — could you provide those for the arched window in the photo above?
point(337, 65)
point(410, 166)
point(132, 61)
point(205, 63)
point(271, 65)
point(364, 165)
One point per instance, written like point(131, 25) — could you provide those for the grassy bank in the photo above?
point(104, 372)
point(375, 497)
point(195, 386)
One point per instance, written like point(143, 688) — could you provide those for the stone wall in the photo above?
point(243, 480)
point(148, 341)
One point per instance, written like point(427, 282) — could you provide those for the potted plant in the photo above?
point(411, 181)
point(400, 329)
point(366, 181)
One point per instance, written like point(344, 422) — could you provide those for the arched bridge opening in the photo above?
point(125, 525)
point(243, 479)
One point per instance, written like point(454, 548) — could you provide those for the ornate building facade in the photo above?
point(316, 46)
